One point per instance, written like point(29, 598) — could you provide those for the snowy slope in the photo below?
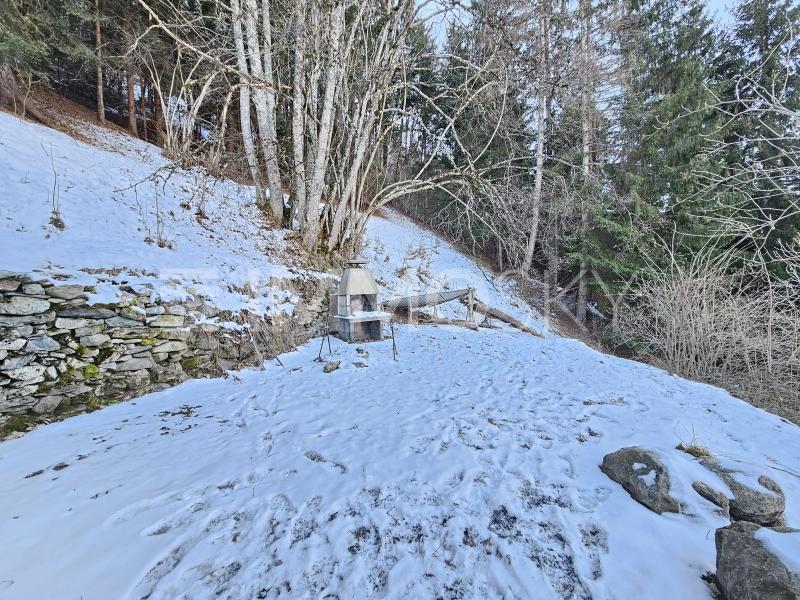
point(114, 195)
point(468, 468)
point(408, 260)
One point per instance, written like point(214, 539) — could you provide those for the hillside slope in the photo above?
point(130, 215)
point(466, 468)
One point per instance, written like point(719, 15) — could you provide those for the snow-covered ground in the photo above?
point(466, 468)
point(129, 215)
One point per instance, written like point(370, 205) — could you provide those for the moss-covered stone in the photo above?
point(91, 372)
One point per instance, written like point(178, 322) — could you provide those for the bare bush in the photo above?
point(705, 323)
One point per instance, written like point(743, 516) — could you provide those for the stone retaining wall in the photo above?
point(60, 356)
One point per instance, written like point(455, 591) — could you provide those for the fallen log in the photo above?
point(424, 318)
point(487, 310)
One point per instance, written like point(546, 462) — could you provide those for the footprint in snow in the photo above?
point(305, 523)
point(316, 457)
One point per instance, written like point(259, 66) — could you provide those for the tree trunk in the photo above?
point(244, 101)
point(129, 83)
point(143, 107)
point(273, 168)
point(98, 50)
point(298, 113)
point(264, 101)
point(11, 96)
point(158, 121)
point(541, 132)
point(586, 131)
point(317, 182)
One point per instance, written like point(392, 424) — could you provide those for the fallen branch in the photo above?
point(424, 318)
point(501, 316)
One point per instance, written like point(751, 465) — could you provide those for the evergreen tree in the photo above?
point(668, 50)
point(762, 63)
point(32, 32)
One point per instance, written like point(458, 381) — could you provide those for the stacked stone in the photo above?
point(60, 354)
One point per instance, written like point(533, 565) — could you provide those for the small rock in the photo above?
point(98, 339)
point(138, 379)
point(85, 312)
point(166, 321)
point(747, 570)
point(171, 346)
point(643, 476)
point(331, 366)
point(153, 311)
point(42, 344)
point(33, 289)
point(65, 292)
point(715, 497)
point(23, 306)
point(133, 313)
point(66, 323)
point(27, 373)
point(176, 309)
point(762, 507)
point(9, 285)
point(98, 327)
point(47, 404)
point(17, 362)
point(51, 372)
point(23, 321)
point(134, 364)
point(12, 344)
point(175, 334)
point(124, 322)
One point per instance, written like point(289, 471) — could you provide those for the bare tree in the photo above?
point(98, 50)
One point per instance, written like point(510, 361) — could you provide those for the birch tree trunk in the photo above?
point(143, 106)
point(298, 112)
point(264, 101)
point(98, 50)
point(317, 180)
point(271, 151)
point(586, 135)
point(244, 100)
point(541, 132)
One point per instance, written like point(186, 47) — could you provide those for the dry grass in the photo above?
point(705, 324)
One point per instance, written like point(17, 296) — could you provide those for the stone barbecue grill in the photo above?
point(355, 309)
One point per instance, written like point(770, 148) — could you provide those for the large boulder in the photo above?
point(643, 476)
point(748, 570)
point(763, 507)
